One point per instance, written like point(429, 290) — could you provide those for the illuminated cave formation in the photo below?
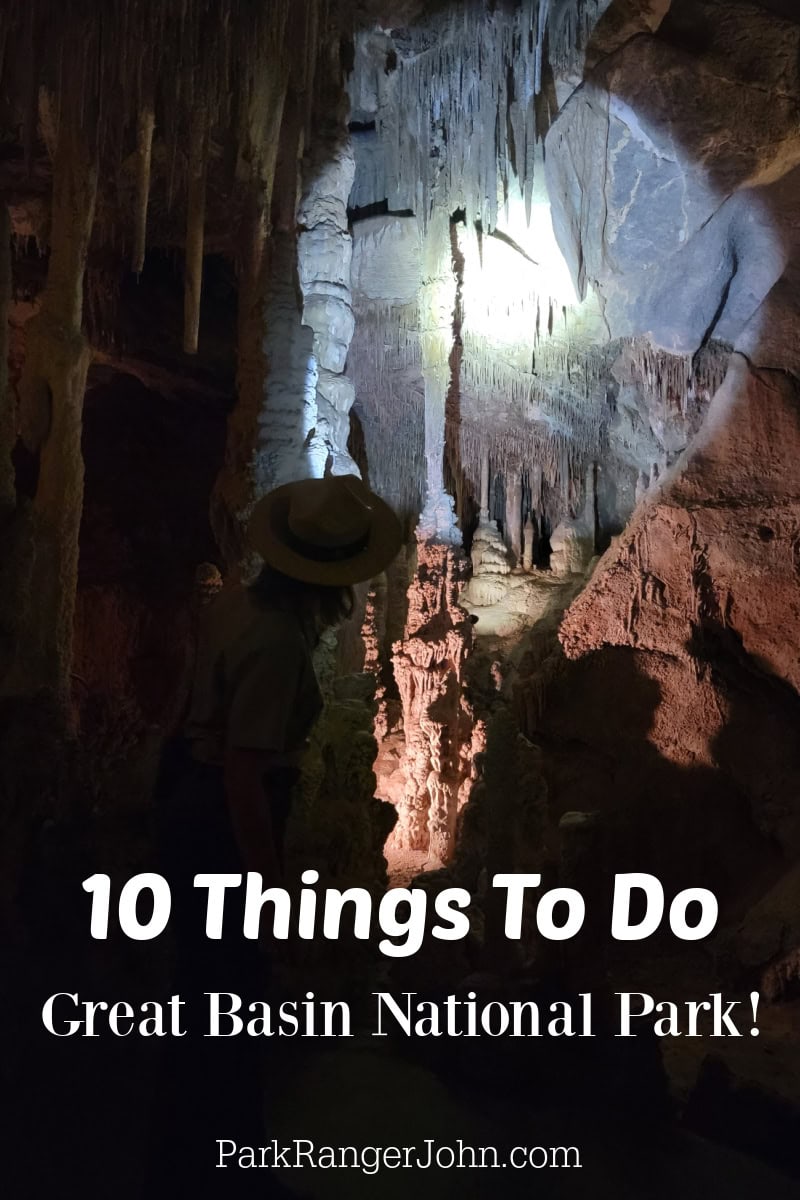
point(531, 269)
point(476, 346)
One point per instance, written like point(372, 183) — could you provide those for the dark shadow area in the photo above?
point(607, 1096)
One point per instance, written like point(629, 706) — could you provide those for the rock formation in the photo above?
point(429, 669)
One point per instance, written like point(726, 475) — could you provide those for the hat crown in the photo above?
point(333, 513)
point(332, 531)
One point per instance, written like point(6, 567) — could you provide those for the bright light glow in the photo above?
point(509, 287)
point(551, 275)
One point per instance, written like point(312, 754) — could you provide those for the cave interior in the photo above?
point(530, 269)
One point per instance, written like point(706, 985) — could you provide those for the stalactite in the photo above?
point(272, 432)
point(117, 50)
point(261, 116)
point(195, 228)
point(479, 74)
point(144, 153)
point(8, 425)
point(541, 30)
point(459, 89)
point(89, 85)
point(675, 380)
point(676, 389)
point(52, 391)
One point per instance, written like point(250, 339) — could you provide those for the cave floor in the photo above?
point(331, 1099)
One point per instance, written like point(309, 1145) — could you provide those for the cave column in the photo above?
point(429, 660)
point(513, 489)
point(325, 252)
point(484, 513)
point(437, 303)
point(52, 391)
point(296, 321)
point(529, 539)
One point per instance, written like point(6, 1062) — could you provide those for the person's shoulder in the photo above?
point(275, 630)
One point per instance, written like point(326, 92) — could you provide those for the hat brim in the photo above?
point(268, 534)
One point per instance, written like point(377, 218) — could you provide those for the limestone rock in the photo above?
point(655, 198)
point(369, 186)
point(768, 940)
point(707, 573)
point(609, 25)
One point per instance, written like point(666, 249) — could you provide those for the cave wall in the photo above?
point(699, 596)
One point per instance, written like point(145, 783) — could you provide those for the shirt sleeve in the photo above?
point(262, 696)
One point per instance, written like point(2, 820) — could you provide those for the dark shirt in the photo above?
point(254, 685)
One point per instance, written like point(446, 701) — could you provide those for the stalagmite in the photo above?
point(195, 229)
point(429, 666)
point(372, 631)
point(572, 543)
point(144, 152)
point(642, 485)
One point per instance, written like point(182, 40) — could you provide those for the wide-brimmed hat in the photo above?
point(331, 531)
